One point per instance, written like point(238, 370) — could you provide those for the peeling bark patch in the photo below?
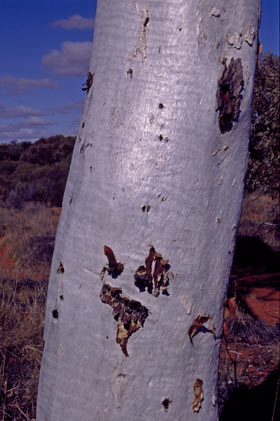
point(198, 395)
point(84, 146)
point(165, 403)
point(197, 326)
point(129, 314)
point(229, 98)
point(60, 269)
point(154, 275)
point(114, 268)
point(88, 83)
point(235, 40)
point(215, 12)
point(249, 35)
point(142, 38)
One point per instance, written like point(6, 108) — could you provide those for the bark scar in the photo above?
point(129, 314)
point(229, 95)
point(141, 45)
point(198, 326)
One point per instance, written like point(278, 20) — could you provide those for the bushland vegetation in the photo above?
point(264, 158)
point(32, 182)
point(35, 172)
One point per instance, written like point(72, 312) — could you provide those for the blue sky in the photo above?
point(45, 50)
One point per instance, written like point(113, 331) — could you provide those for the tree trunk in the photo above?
point(133, 329)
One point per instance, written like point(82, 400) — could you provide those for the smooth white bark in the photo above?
point(150, 167)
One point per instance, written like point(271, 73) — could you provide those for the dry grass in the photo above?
point(249, 354)
point(26, 243)
point(21, 344)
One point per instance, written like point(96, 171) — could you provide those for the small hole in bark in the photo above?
point(55, 314)
point(146, 22)
point(160, 106)
point(61, 297)
point(146, 208)
point(160, 137)
point(165, 403)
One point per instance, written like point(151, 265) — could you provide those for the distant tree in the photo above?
point(13, 151)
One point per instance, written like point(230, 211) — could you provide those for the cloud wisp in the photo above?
point(25, 123)
point(30, 128)
point(74, 22)
point(20, 111)
point(18, 85)
point(72, 60)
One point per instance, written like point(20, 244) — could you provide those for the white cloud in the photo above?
point(20, 111)
point(72, 60)
point(22, 85)
point(32, 121)
point(74, 22)
point(28, 124)
point(31, 128)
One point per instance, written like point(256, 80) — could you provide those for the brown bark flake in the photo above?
point(129, 314)
point(153, 276)
point(198, 395)
point(114, 268)
point(197, 326)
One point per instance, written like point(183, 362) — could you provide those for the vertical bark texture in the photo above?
point(156, 177)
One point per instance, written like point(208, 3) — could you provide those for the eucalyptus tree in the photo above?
point(146, 236)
